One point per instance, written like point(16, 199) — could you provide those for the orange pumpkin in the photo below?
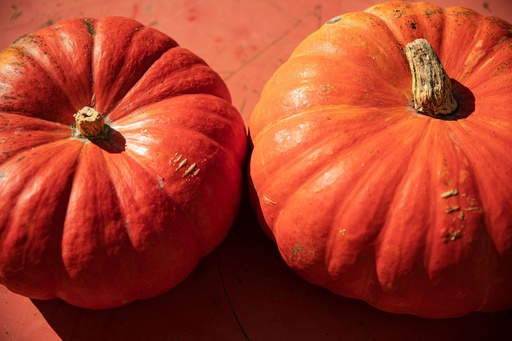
point(381, 159)
point(121, 162)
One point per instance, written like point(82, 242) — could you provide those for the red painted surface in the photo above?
point(243, 290)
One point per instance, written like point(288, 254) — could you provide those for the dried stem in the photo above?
point(89, 122)
point(431, 86)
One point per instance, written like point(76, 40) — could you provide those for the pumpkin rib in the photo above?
point(17, 76)
point(407, 24)
point(153, 176)
point(388, 229)
point(478, 43)
point(223, 113)
point(143, 47)
point(116, 236)
point(417, 265)
point(91, 247)
point(340, 230)
point(457, 42)
point(484, 50)
point(487, 194)
point(46, 55)
point(36, 132)
point(163, 181)
point(313, 163)
point(494, 71)
point(115, 172)
point(318, 172)
point(180, 130)
point(220, 139)
point(190, 73)
point(42, 224)
point(177, 176)
point(386, 58)
point(446, 234)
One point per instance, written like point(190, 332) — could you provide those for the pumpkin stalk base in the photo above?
point(90, 124)
point(431, 86)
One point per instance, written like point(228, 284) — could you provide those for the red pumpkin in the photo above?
point(383, 179)
point(121, 162)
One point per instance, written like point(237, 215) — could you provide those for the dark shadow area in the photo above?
point(244, 291)
point(114, 143)
point(465, 100)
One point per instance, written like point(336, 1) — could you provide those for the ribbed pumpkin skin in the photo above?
point(105, 222)
point(356, 188)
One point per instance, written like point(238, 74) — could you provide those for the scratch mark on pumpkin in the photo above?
point(268, 201)
point(177, 157)
point(449, 193)
point(189, 169)
point(192, 170)
point(452, 209)
point(182, 164)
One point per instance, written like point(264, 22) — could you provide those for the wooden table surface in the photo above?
point(243, 290)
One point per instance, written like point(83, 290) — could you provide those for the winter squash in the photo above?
point(121, 162)
point(381, 159)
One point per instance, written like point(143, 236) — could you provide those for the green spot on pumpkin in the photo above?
point(90, 26)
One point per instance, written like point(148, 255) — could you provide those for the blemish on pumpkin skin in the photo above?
point(191, 171)
point(268, 201)
point(452, 209)
point(90, 26)
point(397, 13)
point(161, 181)
point(452, 235)
point(296, 252)
point(326, 89)
point(183, 163)
point(449, 193)
point(502, 68)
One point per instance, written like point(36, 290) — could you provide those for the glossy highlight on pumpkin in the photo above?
point(121, 162)
point(373, 200)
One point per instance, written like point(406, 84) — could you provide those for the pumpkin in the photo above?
point(121, 162)
point(381, 159)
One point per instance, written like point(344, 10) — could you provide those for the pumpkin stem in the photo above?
point(431, 86)
point(89, 122)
